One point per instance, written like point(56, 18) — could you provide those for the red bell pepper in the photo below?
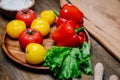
point(67, 35)
point(70, 12)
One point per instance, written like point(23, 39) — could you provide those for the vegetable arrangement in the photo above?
point(70, 55)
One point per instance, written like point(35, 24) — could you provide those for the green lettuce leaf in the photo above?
point(67, 62)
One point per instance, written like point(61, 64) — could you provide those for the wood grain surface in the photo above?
point(10, 70)
point(102, 20)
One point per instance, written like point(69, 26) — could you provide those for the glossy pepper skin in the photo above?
point(70, 12)
point(65, 35)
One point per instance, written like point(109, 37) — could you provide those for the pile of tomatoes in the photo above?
point(29, 28)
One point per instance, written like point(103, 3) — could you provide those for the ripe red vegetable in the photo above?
point(70, 12)
point(26, 15)
point(67, 35)
point(30, 36)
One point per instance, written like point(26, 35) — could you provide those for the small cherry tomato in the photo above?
point(26, 15)
point(30, 36)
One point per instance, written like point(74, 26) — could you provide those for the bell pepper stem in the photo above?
point(56, 12)
point(79, 29)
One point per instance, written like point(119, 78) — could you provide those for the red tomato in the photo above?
point(30, 36)
point(26, 15)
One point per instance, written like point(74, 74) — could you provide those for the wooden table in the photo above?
point(9, 70)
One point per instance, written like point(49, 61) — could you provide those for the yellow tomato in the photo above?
point(48, 15)
point(35, 53)
point(15, 27)
point(42, 25)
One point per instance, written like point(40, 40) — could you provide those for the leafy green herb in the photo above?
point(67, 62)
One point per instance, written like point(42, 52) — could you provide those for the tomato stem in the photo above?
point(24, 11)
point(30, 32)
